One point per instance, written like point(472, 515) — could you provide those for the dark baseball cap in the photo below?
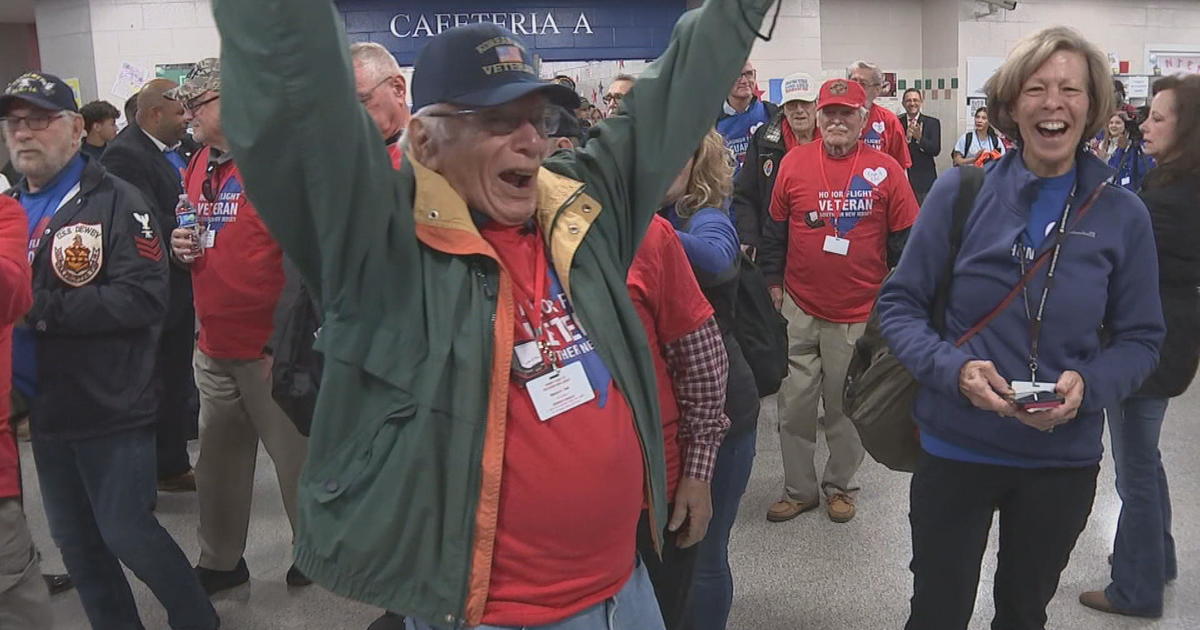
point(41, 90)
point(480, 65)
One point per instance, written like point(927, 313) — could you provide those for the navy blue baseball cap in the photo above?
point(480, 65)
point(42, 90)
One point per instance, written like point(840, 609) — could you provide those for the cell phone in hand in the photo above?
point(1038, 401)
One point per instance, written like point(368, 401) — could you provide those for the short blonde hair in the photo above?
point(711, 180)
point(1004, 88)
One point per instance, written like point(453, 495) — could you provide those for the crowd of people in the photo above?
point(507, 351)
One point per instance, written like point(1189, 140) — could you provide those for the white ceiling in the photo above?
point(16, 11)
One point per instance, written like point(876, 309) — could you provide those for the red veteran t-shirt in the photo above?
point(669, 302)
point(572, 485)
point(862, 198)
point(237, 281)
point(884, 132)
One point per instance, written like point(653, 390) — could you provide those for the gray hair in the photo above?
point(865, 65)
point(375, 59)
point(437, 126)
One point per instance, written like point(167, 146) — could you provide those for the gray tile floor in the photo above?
point(808, 574)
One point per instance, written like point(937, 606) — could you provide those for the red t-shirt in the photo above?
point(830, 286)
point(669, 301)
point(237, 281)
point(884, 132)
point(572, 486)
point(396, 154)
point(15, 300)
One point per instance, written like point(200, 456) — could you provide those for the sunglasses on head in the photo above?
point(206, 189)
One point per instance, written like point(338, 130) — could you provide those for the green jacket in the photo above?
point(399, 499)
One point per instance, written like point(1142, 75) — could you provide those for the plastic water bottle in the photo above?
point(188, 218)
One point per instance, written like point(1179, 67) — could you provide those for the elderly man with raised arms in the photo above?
point(487, 430)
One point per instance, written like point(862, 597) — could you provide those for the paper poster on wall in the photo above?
point(979, 70)
point(1137, 87)
point(73, 83)
point(1173, 63)
point(130, 80)
point(968, 120)
point(889, 84)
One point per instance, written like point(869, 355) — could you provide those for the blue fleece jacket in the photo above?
point(1107, 277)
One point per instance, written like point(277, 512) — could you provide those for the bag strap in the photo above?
point(971, 180)
point(1037, 264)
point(967, 145)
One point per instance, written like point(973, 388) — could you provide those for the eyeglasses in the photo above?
point(749, 74)
point(866, 83)
point(193, 107)
point(613, 97)
point(37, 122)
point(501, 122)
point(366, 97)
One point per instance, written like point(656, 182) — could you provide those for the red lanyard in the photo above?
point(533, 303)
point(837, 213)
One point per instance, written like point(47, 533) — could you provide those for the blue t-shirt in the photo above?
point(39, 208)
point(42, 204)
point(737, 129)
point(1047, 208)
point(1043, 218)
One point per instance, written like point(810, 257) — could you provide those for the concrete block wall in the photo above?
point(145, 33)
point(64, 29)
point(795, 46)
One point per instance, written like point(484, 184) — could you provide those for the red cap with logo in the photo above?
point(841, 92)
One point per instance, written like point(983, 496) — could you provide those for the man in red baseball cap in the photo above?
point(842, 211)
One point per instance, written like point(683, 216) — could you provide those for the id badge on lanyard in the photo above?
point(835, 244)
point(553, 388)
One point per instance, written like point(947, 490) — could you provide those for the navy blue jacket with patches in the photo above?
point(1107, 278)
point(98, 305)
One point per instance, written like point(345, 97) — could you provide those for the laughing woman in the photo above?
point(1044, 212)
point(1143, 559)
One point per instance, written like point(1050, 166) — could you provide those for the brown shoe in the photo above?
point(184, 482)
point(1097, 600)
point(840, 507)
point(787, 509)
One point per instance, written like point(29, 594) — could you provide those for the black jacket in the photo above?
point(1175, 215)
point(753, 185)
point(134, 157)
point(923, 171)
point(99, 297)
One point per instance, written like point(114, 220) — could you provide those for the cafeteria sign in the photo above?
point(532, 23)
point(553, 30)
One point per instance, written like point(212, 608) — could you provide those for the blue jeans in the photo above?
point(712, 586)
point(1144, 551)
point(98, 494)
point(632, 608)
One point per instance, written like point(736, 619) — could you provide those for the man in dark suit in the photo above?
point(150, 153)
point(924, 143)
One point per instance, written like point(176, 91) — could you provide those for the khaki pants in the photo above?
point(24, 600)
point(236, 411)
point(818, 355)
